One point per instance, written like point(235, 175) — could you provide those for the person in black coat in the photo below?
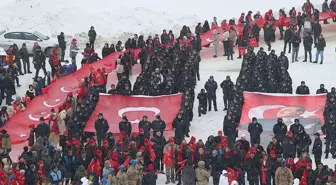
point(179, 126)
point(25, 58)
point(42, 129)
point(39, 61)
point(280, 130)
point(125, 126)
point(329, 130)
point(211, 88)
point(274, 146)
point(106, 50)
point(158, 125)
point(317, 29)
point(217, 167)
point(160, 143)
point(226, 86)
point(302, 142)
point(307, 44)
point(255, 129)
point(145, 125)
point(92, 36)
point(287, 39)
point(101, 126)
point(31, 175)
point(317, 149)
point(296, 127)
point(321, 90)
point(62, 44)
point(288, 146)
point(149, 176)
point(202, 102)
point(302, 89)
point(252, 167)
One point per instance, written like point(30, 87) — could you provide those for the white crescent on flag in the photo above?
point(134, 109)
point(258, 112)
point(209, 40)
point(58, 102)
point(42, 114)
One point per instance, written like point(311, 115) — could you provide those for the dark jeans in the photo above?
point(26, 65)
point(225, 45)
point(62, 55)
point(253, 182)
point(92, 44)
point(216, 178)
point(38, 70)
point(18, 64)
point(281, 32)
point(327, 148)
point(310, 55)
point(317, 158)
point(226, 99)
point(289, 47)
point(9, 94)
point(212, 98)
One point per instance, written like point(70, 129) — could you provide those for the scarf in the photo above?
point(264, 172)
point(54, 127)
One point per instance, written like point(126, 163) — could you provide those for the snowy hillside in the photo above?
point(117, 20)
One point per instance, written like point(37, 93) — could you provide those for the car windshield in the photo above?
point(41, 35)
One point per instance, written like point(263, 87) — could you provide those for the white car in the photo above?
point(18, 37)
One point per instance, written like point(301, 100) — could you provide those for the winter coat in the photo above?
point(169, 154)
point(179, 126)
point(73, 50)
point(255, 130)
point(42, 130)
point(317, 147)
point(215, 39)
point(288, 35)
point(329, 129)
point(211, 87)
point(188, 175)
point(61, 42)
point(227, 86)
point(24, 53)
point(283, 176)
point(317, 29)
point(202, 98)
point(146, 126)
point(296, 40)
point(308, 42)
point(126, 127)
point(320, 44)
point(202, 175)
point(158, 126)
point(280, 130)
point(92, 35)
point(101, 126)
point(288, 146)
point(295, 128)
point(302, 90)
point(6, 142)
point(217, 165)
point(149, 178)
point(252, 167)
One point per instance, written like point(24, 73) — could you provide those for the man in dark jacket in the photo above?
point(160, 142)
point(216, 167)
point(288, 146)
point(125, 126)
point(158, 125)
point(329, 130)
point(317, 148)
point(268, 35)
point(165, 37)
point(302, 89)
point(101, 126)
point(42, 129)
point(202, 102)
point(25, 58)
point(92, 36)
point(62, 44)
point(294, 128)
point(145, 125)
point(280, 130)
point(287, 39)
point(227, 86)
point(302, 141)
point(255, 129)
point(296, 40)
point(211, 88)
point(39, 61)
point(317, 29)
point(307, 44)
point(320, 45)
point(321, 90)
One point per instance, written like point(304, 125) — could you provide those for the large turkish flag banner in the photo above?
point(268, 107)
point(114, 107)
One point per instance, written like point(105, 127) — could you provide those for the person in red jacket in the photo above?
point(281, 24)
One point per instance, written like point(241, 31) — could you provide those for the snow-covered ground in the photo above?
point(114, 20)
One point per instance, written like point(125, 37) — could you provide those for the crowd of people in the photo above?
point(60, 151)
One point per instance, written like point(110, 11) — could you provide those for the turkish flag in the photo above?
point(241, 51)
point(114, 107)
point(268, 107)
point(253, 42)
